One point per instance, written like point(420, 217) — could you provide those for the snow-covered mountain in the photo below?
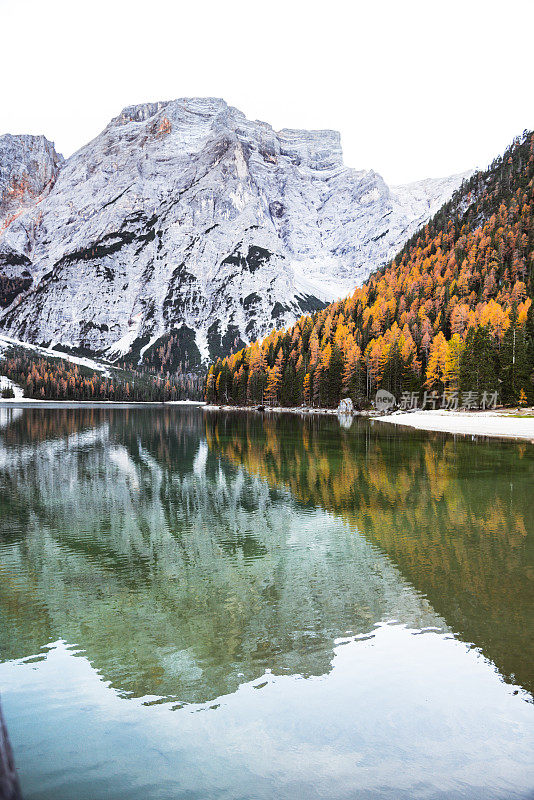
point(186, 217)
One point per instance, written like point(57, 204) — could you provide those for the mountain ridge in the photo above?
point(185, 221)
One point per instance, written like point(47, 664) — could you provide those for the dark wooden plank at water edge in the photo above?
point(9, 782)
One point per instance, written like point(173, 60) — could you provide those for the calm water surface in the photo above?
point(220, 605)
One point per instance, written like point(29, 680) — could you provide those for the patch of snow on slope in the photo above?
point(313, 277)
point(143, 350)
point(124, 344)
point(6, 383)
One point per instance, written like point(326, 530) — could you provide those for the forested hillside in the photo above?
point(45, 378)
point(451, 314)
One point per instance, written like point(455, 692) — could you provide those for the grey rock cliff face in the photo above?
point(29, 166)
point(187, 216)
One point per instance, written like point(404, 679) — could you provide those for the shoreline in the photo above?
point(30, 402)
point(280, 410)
point(506, 423)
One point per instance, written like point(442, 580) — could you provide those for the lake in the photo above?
point(201, 604)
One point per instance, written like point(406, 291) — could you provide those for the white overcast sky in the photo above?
point(417, 89)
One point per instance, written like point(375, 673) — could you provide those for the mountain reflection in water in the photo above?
point(274, 573)
point(179, 574)
point(186, 552)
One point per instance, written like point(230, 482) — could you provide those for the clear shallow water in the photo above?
point(208, 605)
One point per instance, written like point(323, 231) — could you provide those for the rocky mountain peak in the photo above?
point(186, 222)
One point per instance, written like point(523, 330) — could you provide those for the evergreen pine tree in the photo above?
point(392, 375)
point(333, 377)
point(288, 386)
point(478, 362)
point(514, 364)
